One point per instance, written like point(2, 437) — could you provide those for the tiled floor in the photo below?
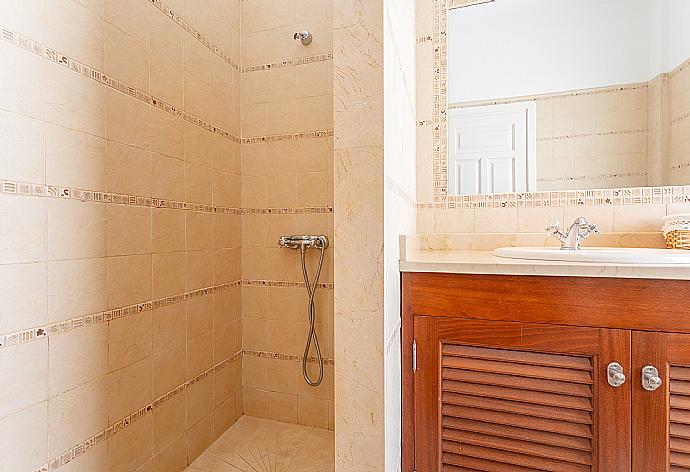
point(258, 445)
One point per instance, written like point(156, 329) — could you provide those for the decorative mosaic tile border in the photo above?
point(119, 426)
point(13, 187)
point(203, 39)
point(282, 284)
point(289, 137)
point(39, 332)
point(440, 103)
point(393, 186)
point(619, 196)
point(590, 135)
point(284, 357)
point(298, 61)
point(593, 177)
point(13, 339)
point(102, 78)
point(465, 3)
point(551, 96)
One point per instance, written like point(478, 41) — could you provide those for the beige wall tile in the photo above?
point(255, 402)
point(169, 423)
point(129, 230)
point(74, 158)
point(128, 170)
point(76, 287)
point(199, 437)
point(199, 183)
point(168, 370)
point(199, 227)
point(129, 280)
point(282, 407)
point(168, 177)
point(18, 94)
point(224, 416)
point(199, 354)
point(129, 340)
point(226, 383)
point(75, 31)
point(22, 142)
point(131, 17)
point(67, 354)
point(173, 458)
point(25, 17)
point(76, 229)
point(129, 389)
point(169, 327)
point(168, 274)
point(638, 217)
point(312, 412)
point(26, 431)
point(25, 239)
point(495, 220)
point(77, 414)
point(199, 269)
point(126, 57)
point(167, 134)
point(132, 446)
point(74, 101)
point(199, 400)
point(199, 316)
point(18, 390)
point(168, 230)
point(128, 120)
point(534, 220)
point(23, 291)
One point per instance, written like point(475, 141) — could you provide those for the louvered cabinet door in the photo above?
point(661, 416)
point(514, 397)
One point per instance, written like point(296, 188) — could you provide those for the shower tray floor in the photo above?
point(259, 445)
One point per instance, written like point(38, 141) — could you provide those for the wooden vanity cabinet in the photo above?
point(511, 374)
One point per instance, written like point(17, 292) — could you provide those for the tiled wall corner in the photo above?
point(122, 259)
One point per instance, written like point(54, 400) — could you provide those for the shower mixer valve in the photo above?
point(304, 242)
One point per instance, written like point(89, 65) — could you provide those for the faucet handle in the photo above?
point(590, 229)
point(553, 229)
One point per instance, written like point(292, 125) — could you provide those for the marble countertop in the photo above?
point(484, 262)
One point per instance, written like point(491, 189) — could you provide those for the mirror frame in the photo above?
point(439, 121)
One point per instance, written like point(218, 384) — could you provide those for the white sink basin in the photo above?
point(606, 255)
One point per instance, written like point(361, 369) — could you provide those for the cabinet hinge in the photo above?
point(414, 356)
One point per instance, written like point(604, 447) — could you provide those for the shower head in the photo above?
point(303, 241)
point(304, 36)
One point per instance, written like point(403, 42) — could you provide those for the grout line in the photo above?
point(83, 195)
point(113, 429)
point(105, 79)
point(52, 329)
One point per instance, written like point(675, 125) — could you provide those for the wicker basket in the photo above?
point(677, 231)
point(678, 239)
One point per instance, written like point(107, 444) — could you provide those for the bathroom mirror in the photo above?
point(549, 95)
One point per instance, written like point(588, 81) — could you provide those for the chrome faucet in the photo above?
point(580, 230)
